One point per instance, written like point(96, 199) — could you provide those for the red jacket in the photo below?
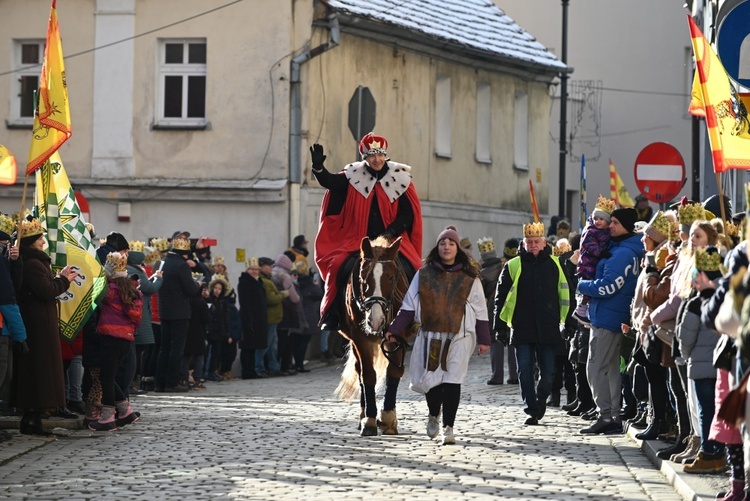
point(118, 319)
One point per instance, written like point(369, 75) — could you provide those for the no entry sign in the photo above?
point(659, 172)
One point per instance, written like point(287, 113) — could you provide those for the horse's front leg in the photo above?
point(388, 421)
point(368, 422)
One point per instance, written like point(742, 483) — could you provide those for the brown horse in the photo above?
point(374, 294)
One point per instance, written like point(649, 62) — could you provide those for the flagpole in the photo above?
point(23, 195)
point(721, 196)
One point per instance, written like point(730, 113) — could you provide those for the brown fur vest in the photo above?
point(442, 297)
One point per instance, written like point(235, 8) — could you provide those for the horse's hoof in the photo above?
point(369, 427)
point(388, 423)
point(390, 431)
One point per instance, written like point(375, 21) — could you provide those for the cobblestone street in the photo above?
point(288, 438)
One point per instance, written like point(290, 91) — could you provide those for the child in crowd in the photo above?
point(594, 241)
point(119, 319)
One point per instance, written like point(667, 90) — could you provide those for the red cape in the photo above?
point(340, 235)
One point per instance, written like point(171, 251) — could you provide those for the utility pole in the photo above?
point(563, 110)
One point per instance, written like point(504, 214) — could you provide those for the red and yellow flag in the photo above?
point(617, 189)
point(534, 206)
point(715, 98)
point(8, 169)
point(52, 125)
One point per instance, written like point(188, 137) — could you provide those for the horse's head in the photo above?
point(380, 277)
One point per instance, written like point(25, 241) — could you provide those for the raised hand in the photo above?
point(317, 155)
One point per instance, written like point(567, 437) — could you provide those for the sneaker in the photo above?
point(704, 464)
point(602, 427)
point(531, 421)
point(447, 436)
point(492, 382)
point(433, 426)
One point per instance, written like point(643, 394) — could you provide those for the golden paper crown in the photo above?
point(674, 230)
point(561, 247)
point(605, 204)
point(7, 225)
point(219, 261)
point(197, 276)
point(160, 244)
point(151, 255)
point(485, 245)
point(30, 228)
point(690, 213)
point(90, 228)
point(533, 230)
point(731, 229)
point(102, 241)
point(136, 245)
point(253, 261)
point(707, 259)
point(181, 244)
point(661, 224)
point(119, 261)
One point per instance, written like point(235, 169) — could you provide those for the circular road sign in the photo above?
point(659, 172)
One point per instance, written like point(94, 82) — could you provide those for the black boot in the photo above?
point(31, 424)
point(554, 399)
point(650, 433)
point(569, 407)
point(677, 448)
point(330, 321)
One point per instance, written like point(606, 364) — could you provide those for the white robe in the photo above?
point(462, 344)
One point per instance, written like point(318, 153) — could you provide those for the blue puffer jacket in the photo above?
point(613, 288)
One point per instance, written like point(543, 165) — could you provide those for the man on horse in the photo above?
point(371, 198)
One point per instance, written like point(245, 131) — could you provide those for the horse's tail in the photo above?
point(348, 388)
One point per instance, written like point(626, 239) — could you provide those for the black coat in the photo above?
point(253, 312)
point(311, 294)
point(177, 288)
point(536, 318)
point(200, 318)
point(218, 329)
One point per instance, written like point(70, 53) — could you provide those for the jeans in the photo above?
point(324, 341)
point(704, 391)
point(6, 367)
point(75, 379)
point(272, 351)
point(173, 337)
point(603, 371)
point(531, 392)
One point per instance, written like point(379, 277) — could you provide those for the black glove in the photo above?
point(316, 152)
point(503, 336)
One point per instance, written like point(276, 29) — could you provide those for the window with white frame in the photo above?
point(182, 83)
point(27, 60)
point(484, 123)
point(521, 132)
point(443, 116)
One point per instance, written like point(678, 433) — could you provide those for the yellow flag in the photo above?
point(617, 189)
point(726, 115)
point(8, 170)
point(52, 125)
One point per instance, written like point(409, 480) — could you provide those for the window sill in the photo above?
point(487, 161)
point(19, 124)
point(447, 156)
point(204, 126)
point(521, 167)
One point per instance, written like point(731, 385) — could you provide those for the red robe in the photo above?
point(340, 235)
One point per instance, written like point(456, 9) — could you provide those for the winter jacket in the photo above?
point(234, 322)
point(145, 333)
point(311, 294)
point(219, 327)
point(613, 287)
point(177, 289)
point(253, 312)
point(116, 318)
point(536, 317)
point(274, 297)
point(593, 243)
point(200, 319)
point(736, 259)
point(697, 342)
point(282, 279)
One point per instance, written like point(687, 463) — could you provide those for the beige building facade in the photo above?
point(189, 116)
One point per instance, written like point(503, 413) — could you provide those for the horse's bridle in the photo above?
point(365, 304)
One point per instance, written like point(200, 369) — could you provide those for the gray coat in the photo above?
point(697, 342)
point(145, 334)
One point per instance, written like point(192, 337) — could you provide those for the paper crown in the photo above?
point(151, 255)
point(661, 225)
point(690, 213)
point(197, 276)
point(707, 259)
point(136, 245)
point(731, 229)
point(181, 244)
point(90, 228)
point(372, 144)
point(465, 243)
point(485, 245)
point(533, 230)
point(252, 262)
point(674, 230)
point(605, 204)
point(7, 225)
point(219, 261)
point(561, 247)
point(102, 241)
point(160, 244)
point(119, 262)
point(30, 228)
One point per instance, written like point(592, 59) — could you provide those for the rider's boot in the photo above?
point(330, 320)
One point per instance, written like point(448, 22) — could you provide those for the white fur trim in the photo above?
point(394, 183)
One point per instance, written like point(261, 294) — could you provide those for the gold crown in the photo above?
point(219, 261)
point(151, 255)
point(160, 244)
point(661, 224)
point(674, 230)
point(707, 259)
point(605, 204)
point(7, 225)
point(119, 261)
point(561, 247)
point(690, 213)
point(252, 262)
point(197, 276)
point(102, 241)
point(181, 244)
point(533, 230)
point(30, 228)
point(136, 245)
point(731, 229)
point(485, 245)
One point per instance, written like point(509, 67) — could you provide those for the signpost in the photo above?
point(659, 172)
point(362, 108)
point(733, 21)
